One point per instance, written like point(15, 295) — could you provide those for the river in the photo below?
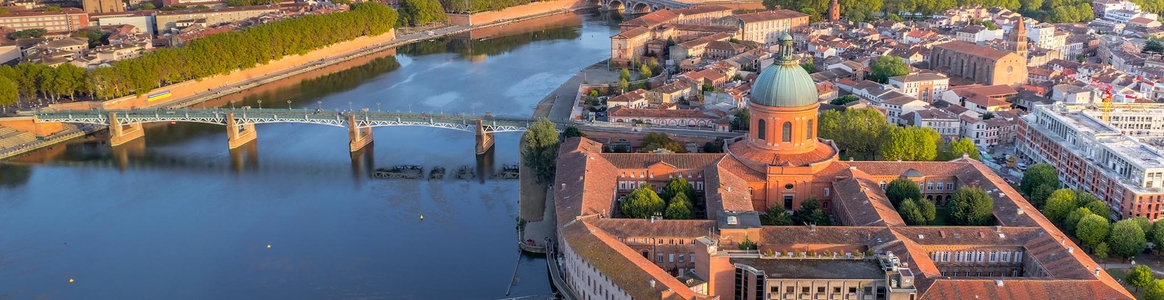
point(178, 216)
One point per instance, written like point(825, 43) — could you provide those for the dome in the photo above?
point(784, 85)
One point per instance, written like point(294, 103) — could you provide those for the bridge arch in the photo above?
point(616, 5)
point(642, 8)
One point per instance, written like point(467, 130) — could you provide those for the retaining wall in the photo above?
point(515, 12)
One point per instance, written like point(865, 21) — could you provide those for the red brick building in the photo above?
point(779, 164)
point(65, 20)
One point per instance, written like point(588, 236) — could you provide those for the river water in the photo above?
point(178, 216)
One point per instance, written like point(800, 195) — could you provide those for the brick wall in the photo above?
point(531, 9)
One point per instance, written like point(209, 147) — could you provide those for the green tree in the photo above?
point(911, 213)
point(421, 12)
point(623, 85)
point(843, 100)
point(953, 149)
point(811, 213)
point(900, 189)
point(928, 210)
point(808, 67)
point(1126, 239)
point(857, 132)
point(678, 210)
point(1152, 47)
point(775, 216)
point(813, 16)
point(28, 33)
point(642, 203)
point(1099, 208)
point(741, 122)
point(146, 6)
point(572, 132)
point(644, 72)
point(1039, 174)
point(1040, 195)
point(1100, 251)
point(1059, 204)
point(1092, 229)
point(910, 144)
point(1143, 222)
point(52, 8)
point(970, 206)
point(624, 75)
point(541, 149)
point(1073, 218)
point(748, 244)
point(1140, 276)
point(654, 141)
point(887, 66)
point(1156, 236)
point(678, 186)
point(1155, 291)
point(8, 92)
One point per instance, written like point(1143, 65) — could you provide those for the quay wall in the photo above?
point(517, 12)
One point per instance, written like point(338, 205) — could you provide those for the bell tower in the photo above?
point(1017, 41)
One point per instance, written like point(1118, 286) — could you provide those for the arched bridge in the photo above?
point(640, 6)
point(125, 125)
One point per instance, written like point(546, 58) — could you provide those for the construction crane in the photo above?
point(1106, 105)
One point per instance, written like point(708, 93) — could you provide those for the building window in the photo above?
point(826, 192)
point(671, 257)
point(660, 257)
point(808, 130)
point(787, 133)
point(993, 256)
point(882, 184)
point(680, 257)
point(760, 129)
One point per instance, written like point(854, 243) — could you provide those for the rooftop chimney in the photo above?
point(998, 282)
point(652, 283)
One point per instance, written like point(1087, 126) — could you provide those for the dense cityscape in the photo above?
point(641, 149)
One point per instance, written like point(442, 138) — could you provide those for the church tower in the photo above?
point(1017, 41)
point(834, 11)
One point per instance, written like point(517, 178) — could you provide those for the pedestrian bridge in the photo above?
point(125, 125)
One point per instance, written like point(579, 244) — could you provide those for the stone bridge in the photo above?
point(640, 6)
point(125, 125)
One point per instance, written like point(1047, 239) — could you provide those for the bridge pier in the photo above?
point(484, 139)
point(358, 136)
point(121, 134)
point(238, 135)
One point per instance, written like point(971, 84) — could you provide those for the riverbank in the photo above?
point(200, 91)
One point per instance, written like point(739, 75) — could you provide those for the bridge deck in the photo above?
point(243, 116)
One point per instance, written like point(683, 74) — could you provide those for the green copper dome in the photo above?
point(785, 83)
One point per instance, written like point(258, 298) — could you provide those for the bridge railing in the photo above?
point(293, 114)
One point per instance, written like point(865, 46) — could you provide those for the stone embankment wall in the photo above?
point(515, 12)
point(191, 87)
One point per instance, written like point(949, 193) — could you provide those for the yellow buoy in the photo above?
point(70, 280)
point(268, 246)
point(422, 217)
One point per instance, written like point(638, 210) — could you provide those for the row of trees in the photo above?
point(864, 133)
point(224, 53)
point(644, 202)
point(1141, 276)
point(28, 80)
point(969, 206)
point(1086, 217)
point(1055, 11)
point(540, 152)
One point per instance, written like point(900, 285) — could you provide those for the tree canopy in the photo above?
point(655, 141)
point(1059, 204)
point(970, 206)
point(843, 100)
point(887, 66)
point(678, 209)
point(541, 149)
point(1036, 175)
point(678, 186)
point(856, 131)
point(953, 149)
point(810, 213)
point(1156, 236)
point(8, 93)
point(420, 12)
point(900, 189)
point(1140, 276)
point(910, 144)
point(917, 212)
point(1073, 219)
point(1155, 291)
point(1126, 239)
point(472, 6)
point(28, 33)
point(572, 131)
point(642, 203)
point(775, 216)
point(1092, 230)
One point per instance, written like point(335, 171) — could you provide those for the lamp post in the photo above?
point(349, 106)
point(231, 104)
point(288, 104)
point(377, 106)
point(320, 104)
point(260, 104)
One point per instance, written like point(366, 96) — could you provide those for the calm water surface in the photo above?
point(178, 216)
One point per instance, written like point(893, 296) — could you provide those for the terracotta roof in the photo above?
point(967, 288)
point(970, 235)
point(625, 267)
point(685, 161)
point(687, 229)
point(729, 194)
point(633, 32)
point(583, 184)
point(864, 201)
point(823, 152)
point(867, 236)
point(975, 50)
